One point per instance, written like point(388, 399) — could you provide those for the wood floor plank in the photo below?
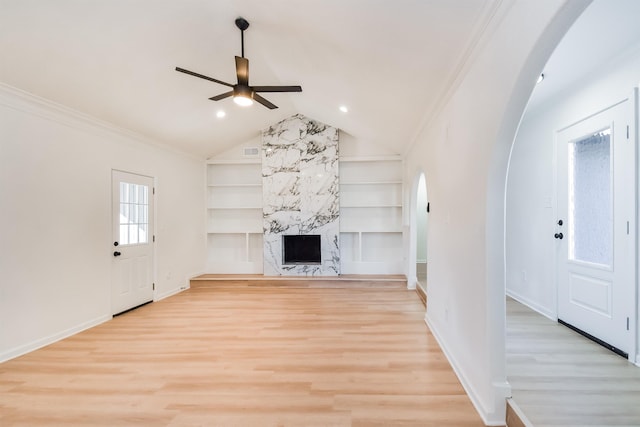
point(560, 378)
point(267, 355)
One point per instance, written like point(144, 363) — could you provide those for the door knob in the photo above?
point(558, 236)
point(116, 253)
point(560, 222)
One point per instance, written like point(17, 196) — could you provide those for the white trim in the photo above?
point(490, 18)
point(171, 293)
point(42, 342)
point(533, 305)
point(514, 406)
point(29, 103)
point(391, 158)
point(489, 418)
point(252, 161)
point(633, 123)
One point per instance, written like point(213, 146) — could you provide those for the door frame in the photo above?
point(153, 231)
point(634, 118)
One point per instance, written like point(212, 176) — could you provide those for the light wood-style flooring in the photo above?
point(559, 378)
point(243, 353)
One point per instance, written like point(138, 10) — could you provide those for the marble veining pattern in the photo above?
point(300, 185)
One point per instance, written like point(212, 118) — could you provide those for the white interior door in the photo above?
point(132, 268)
point(596, 227)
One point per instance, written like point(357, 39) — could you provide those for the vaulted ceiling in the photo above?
point(390, 62)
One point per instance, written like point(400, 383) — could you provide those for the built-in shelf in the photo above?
point(234, 217)
point(371, 231)
point(234, 185)
point(235, 253)
point(371, 183)
point(371, 216)
point(234, 174)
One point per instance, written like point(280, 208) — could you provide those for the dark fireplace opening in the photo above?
point(301, 249)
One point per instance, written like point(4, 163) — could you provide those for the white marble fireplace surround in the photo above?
point(300, 188)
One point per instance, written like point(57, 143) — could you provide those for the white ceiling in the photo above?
point(390, 62)
point(605, 32)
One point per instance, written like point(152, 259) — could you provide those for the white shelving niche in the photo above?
point(234, 217)
point(371, 215)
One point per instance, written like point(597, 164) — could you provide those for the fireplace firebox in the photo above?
point(301, 249)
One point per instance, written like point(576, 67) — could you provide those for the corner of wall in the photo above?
point(501, 390)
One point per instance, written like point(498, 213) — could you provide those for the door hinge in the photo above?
point(153, 287)
point(627, 131)
point(153, 191)
point(154, 238)
point(627, 323)
point(627, 227)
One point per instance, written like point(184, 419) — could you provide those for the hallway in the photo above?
point(559, 378)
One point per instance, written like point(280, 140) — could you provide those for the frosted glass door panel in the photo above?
point(597, 195)
point(590, 200)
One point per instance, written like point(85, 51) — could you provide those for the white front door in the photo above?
point(596, 227)
point(132, 268)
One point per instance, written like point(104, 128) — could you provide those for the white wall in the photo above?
point(530, 194)
point(464, 150)
point(55, 187)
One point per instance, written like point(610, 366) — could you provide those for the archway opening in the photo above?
point(422, 214)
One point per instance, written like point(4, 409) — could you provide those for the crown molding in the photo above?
point(490, 18)
point(25, 102)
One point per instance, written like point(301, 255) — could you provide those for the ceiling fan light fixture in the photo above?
point(243, 96)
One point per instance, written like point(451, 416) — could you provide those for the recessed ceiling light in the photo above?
point(344, 109)
point(220, 114)
point(540, 78)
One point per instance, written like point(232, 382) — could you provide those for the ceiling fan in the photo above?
point(242, 93)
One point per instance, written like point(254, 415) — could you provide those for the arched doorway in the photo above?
point(417, 259)
point(588, 75)
point(422, 213)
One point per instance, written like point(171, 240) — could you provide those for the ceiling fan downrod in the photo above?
point(242, 24)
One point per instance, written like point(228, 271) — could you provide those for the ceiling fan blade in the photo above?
point(277, 88)
point(182, 70)
point(264, 102)
point(221, 96)
point(242, 70)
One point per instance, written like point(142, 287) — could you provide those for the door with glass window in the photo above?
point(595, 227)
point(132, 243)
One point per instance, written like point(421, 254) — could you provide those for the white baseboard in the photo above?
point(34, 345)
point(519, 413)
point(489, 417)
point(171, 292)
point(412, 282)
point(533, 305)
